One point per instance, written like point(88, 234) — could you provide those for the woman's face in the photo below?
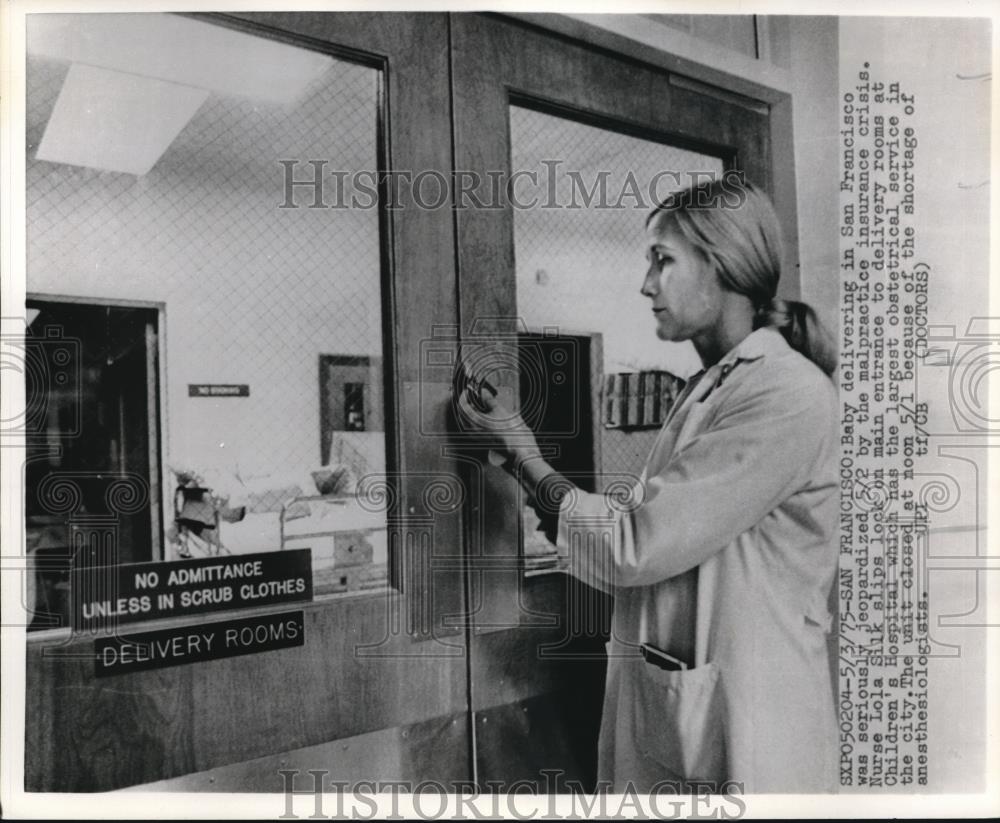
point(682, 285)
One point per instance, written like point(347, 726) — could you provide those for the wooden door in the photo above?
point(378, 690)
point(537, 645)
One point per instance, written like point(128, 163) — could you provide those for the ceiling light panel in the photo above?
point(179, 50)
point(113, 121)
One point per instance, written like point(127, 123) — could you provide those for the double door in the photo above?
point(516, 167)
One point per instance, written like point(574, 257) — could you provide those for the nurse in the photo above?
point(723, 557)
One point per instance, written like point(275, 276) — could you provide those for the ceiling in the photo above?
point(127, 92)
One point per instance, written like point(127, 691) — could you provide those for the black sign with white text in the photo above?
point(107, 596)
point(205, 641)
point(218, 390)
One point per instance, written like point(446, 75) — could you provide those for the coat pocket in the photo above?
point(677, 720)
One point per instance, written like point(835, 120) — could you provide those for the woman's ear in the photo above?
point(715, 267)
point(708, 259)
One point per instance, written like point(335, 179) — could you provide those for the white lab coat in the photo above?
point(724, 557)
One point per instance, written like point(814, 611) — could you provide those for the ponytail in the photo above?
point(803, 330)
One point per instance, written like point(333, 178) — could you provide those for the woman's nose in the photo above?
point(649, 283)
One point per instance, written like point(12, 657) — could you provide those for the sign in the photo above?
point(105, 596)
point(218, 390)
point(191, 644)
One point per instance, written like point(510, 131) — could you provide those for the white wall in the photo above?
point(813, 44)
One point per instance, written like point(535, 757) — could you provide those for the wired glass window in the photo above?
point(165, 164)
point(579, 245)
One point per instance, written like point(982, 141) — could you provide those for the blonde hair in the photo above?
point(733, 225)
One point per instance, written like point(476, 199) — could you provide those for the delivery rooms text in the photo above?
point(201, 643)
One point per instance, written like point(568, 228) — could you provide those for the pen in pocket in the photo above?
point(660, 659)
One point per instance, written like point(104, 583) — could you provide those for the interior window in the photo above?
point(198, 168)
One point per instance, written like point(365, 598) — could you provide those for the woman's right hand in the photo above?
point(479, 410)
